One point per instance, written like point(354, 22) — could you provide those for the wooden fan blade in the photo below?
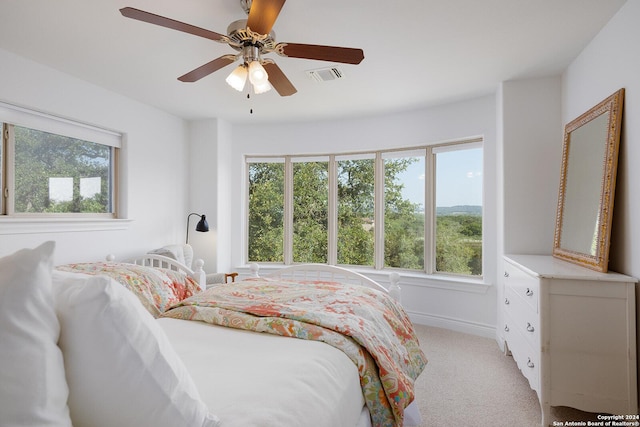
point(278, 80)
point(206, 69)
point(263, 15)
point(344, 55)
point(152, 18)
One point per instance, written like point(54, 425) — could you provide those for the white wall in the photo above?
point(441, 303)
point(156, 170)
point(203, 187)
point(530, 155)
point(610, 62)
point(210, 171)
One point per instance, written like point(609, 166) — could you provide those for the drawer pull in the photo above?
point(506, 328)
point(530, 327)
point(506, 274)
point(530, 363)
point(529, 292)
point(506, 301)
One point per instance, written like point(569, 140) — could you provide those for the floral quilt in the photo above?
point(156, 288)
point(366, 324)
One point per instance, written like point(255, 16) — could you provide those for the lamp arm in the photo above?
point(188, 218)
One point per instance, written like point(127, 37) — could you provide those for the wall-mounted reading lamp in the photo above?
point(201, 226)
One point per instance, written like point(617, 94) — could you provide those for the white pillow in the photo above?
point(33, 389)
point(121, 367)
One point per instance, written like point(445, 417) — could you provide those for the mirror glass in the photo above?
point(587, 185)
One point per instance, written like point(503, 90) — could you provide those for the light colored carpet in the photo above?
point(470, 382)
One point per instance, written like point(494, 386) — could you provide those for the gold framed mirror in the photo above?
point(587, 185)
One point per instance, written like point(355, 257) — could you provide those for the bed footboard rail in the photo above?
point(331, 273)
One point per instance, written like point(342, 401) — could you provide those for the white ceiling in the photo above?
point(417, 52)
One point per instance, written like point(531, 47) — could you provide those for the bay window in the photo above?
point(416, 209)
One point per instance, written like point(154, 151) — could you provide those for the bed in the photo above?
point(236, 364)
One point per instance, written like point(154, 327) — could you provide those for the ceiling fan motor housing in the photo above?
point(241, 36)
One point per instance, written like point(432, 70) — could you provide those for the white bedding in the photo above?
point(317, 384)
point(166, 372)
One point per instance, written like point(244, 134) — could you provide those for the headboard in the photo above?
point(161, 261)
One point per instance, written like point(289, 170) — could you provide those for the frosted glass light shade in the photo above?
point(237, 78)
point(257, 74)
point(261, 88)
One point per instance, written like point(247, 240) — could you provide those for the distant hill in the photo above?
point(459, 210)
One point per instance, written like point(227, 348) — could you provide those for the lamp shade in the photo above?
point(202, 225)
point(261, 88)
point(257, 74)
point(238, 77)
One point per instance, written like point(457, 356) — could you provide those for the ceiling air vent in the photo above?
point(325, 74)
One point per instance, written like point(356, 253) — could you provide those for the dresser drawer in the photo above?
point(524, 286)
point(522, 317)
point(525, 355)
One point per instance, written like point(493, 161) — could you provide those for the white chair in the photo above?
point(183, 253)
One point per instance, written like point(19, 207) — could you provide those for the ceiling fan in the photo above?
point(253, 38)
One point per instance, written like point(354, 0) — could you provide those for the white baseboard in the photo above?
point(459, 325)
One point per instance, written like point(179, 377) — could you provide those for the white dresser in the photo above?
point(572, 332)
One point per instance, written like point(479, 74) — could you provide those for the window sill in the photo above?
point(21, 225)
point(450, 283)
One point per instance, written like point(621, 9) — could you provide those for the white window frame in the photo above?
point(429, 151)
point(18, 223)
point(431, 198)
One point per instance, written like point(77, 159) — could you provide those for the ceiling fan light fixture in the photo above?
point(261, 88)
point(257, 74)
point(238, 78)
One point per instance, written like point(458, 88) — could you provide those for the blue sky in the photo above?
point(459, 177)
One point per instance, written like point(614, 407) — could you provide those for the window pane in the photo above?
point(266, 212)
point(459, 211)
point(355, 212)
point(310, 211)
point(50, 171)
point(404, 212)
